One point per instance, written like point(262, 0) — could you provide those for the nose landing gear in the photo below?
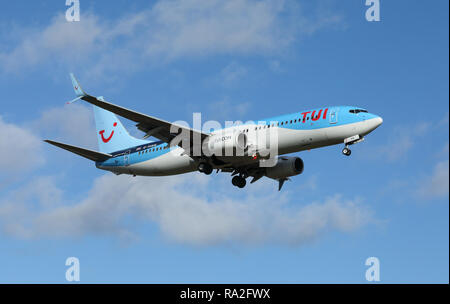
point(346, 151)
point(351, 141)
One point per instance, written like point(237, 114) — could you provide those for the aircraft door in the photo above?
point(126, 158)
point(334, 115)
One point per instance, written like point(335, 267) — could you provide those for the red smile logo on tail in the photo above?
point(105, 140)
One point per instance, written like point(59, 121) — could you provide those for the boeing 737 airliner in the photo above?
point(181, 149)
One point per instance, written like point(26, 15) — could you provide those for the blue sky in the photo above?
point(233, 60)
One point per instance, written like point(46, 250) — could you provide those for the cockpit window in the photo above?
point(356, 111)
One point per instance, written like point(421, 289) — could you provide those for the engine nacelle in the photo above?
point(230, 144)
point(286, 166)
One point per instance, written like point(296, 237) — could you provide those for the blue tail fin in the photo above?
point(112, 135)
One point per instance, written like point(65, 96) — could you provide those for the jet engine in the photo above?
point(286, 166)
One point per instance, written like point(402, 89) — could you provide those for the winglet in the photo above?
point(76, 86)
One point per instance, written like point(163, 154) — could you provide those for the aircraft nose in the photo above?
point(373, 123)
point(378, 121)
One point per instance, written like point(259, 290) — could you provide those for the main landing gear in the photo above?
point(238, 181)
point(205, 168)
point(346, 151)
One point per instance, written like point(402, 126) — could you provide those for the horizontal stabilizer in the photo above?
point(89, 154)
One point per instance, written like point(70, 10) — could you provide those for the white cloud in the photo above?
point(437, 184)
point(444, 120)
point(167, 31)
point(195, 27)
point(20, 149)
point(275, 66)
point(60, 41)
point(231, 74)
point(309, 184)
point(401, 141)
point(183, 210)
point(402, 138)
point(72, 124)
point(229, 111)
point(21, 146)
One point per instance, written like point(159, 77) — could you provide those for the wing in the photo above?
point(152, 126)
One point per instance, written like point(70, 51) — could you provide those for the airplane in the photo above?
point(180, 149)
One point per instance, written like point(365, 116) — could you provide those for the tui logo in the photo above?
point(105, 140)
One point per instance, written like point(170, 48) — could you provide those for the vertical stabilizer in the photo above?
point(112, 135)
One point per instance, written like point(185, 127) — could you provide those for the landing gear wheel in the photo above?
point(205, 168)
point(242, 183)
point(238, 181)
point(346, 151)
